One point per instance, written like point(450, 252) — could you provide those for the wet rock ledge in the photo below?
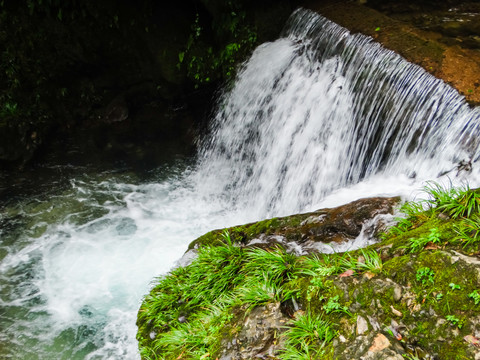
point(268, 290)
point(441, 37)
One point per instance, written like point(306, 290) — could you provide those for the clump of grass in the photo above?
point(456, 202)
point(372, 261)
point(468, 231)
point(280, 265)
point(320, 265)
point(307, 337)
point(255, 292)
point(348, 262)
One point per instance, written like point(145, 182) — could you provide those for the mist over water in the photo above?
point(317, 118)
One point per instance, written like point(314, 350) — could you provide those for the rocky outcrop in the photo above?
point(410, 29)
point(325, 229)
point(394, 300)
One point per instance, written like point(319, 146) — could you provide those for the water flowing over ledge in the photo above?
point(320, 109)
point(317, 118)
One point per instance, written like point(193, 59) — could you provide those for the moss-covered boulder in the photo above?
point(321, 229)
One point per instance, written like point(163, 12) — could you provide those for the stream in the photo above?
point(318, 118)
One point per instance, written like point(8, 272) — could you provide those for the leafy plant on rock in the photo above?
point(475, 296)
point(454, 201)
point(417, 244)
point(333, 306)
point(425, 276)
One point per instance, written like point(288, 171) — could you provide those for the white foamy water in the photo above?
point(315, 119)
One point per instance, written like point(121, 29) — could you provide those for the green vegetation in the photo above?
point(475, 296)
point(372, 261)
point(225, 280)
point(454, 321)
point(425, 276)
point(333, 305)
point(194, 311)
point(306, 337)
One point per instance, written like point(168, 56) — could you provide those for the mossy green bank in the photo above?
point(414, 294)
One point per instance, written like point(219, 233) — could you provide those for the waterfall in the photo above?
point(317, 118)
point(321, 109)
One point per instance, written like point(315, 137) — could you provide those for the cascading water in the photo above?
point(315, 118)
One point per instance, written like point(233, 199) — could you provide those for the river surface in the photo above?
point(315, 119)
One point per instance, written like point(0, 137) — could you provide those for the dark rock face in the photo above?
point(71, 68)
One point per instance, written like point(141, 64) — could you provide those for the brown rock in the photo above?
point(379, 343)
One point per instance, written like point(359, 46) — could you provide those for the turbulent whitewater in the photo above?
point(316, 118)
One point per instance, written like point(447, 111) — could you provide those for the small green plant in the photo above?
point(333, 306)
point(439, 297)
point(316, 285)
point(454, 321)
point(417, 244)
point(425, 276)
point(410, 357)
point(318, 268)
point(475, 296)
point(454, 286)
